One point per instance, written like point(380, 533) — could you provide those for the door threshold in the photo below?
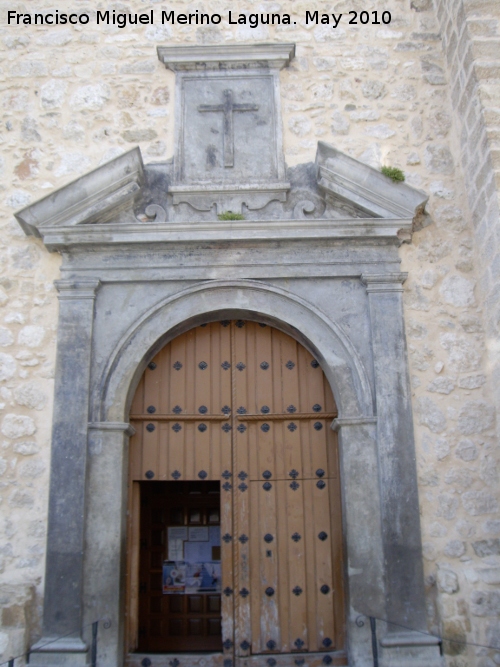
point(217, 659)
point(296, 659)
point(199, 659)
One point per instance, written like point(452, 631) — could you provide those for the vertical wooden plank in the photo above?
point(133, 546)
point(280, 460)
point(152, 383)
point(137, 405)
point(291, 401)
point(310, 543)
point(336, 547)
point(149, 429)
point(262, 456)
point(315, 381)
point(135, 452)
point(163, 452)
point(198, 442)
point(323, 565)
point(163, 371)
point(242, 398)
point(265, 608)
point(211, 464)
point(283, 540)
point(294, 494)
point(150, 452)
point(177, 375)
point(225, 399)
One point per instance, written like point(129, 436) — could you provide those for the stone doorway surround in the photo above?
point(324, 269)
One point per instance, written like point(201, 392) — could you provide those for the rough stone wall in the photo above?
point(471, 42)
point(75, 97)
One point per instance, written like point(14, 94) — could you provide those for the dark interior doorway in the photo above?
point(180, 567)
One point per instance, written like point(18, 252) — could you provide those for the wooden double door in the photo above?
point(233, 446)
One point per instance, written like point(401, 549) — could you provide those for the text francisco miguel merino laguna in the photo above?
point(121, 20)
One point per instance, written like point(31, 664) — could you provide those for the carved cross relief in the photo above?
point(228, 107)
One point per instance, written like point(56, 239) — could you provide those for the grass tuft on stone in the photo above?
point(229, 215)
point(394, 174)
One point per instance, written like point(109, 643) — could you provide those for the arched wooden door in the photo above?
point(234, 418)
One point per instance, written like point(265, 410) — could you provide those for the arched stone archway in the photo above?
point(225, 299)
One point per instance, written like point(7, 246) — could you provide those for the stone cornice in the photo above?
point(114, 234)
point(226, 56)
point(342, 176)
point(77, 289)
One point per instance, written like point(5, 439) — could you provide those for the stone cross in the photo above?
point(227, 108)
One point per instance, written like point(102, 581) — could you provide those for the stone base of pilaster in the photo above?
point(410, 649)
point(60, 653)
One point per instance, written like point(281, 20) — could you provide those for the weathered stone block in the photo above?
point(438, 159)
point(460, 478)
point(17, 426)
point(477, 503)
point(487, 548)
point(463, 355)
point(441, 385)
point(454, 549)
point(447, 506)
point(92, 97)
point(430, 415)
point(466, 450)
point(475, 417)
point(447, 581)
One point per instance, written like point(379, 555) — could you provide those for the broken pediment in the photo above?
point(125, 201)
point(346, 179)
point(97, 197)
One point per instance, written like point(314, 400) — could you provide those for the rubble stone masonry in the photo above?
point(421, 93)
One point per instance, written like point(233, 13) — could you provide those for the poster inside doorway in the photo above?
point(193, 564)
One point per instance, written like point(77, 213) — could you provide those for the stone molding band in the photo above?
point(339, 422)
point(112, 426)
point(409, 638)
point(384, 282)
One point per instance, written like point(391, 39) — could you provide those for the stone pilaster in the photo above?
point(362, 529)
point(105, 536)
point(405, 602)
point(62, 642)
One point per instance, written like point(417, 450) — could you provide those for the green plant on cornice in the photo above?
point(229, 215)
point(393, 173)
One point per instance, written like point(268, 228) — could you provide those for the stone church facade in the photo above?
point(120, 149)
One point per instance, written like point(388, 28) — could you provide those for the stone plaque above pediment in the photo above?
point(229, 141)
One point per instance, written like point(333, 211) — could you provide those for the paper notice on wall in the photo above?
point(214, 536)
point(197, 552)
point(177, 533)
point(174, 577)
point(188, 578)
point(198, 534)
point(175, 549)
